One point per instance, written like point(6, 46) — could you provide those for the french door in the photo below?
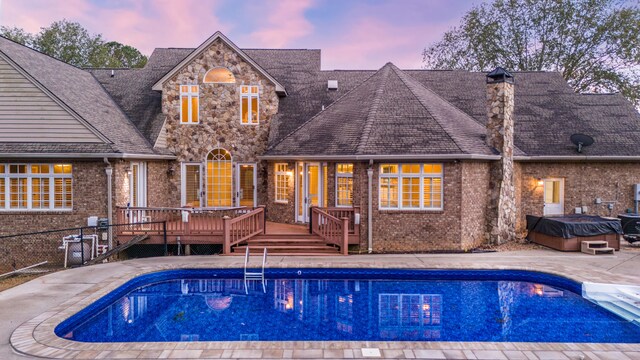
point(309, 189)
point(191, 194)
point(246, 184)
point(138, 184)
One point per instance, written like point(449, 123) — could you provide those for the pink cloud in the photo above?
point(142, 24)
point(283, 23)
point(370, 43)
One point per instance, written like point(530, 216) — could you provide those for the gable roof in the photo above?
point(82, 94)
point(389, 114)
point(205, 45)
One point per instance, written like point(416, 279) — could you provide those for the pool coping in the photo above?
point(36, 337)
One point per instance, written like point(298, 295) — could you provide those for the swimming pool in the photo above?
point(348, 304)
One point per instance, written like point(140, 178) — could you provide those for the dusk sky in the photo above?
point(351, 33)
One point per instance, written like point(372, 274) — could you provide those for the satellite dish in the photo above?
point(581, 140)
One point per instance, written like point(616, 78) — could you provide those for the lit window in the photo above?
point(249, 99)
point(219, 178)
point(344, 184)
point(411, 186)
point(282, 183)
point(219, 75)
point(189, 104)
point(33, 186)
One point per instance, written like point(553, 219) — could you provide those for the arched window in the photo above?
point(219, 75)
point(219, 179)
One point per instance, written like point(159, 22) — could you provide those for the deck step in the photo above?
point(596, 248)
point(291, 249)
point(286, 236)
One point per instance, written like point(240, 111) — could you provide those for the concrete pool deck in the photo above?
point(31, 311)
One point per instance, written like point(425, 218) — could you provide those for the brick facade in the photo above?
point(459, 226)
point(583, 183)
point(89, 199)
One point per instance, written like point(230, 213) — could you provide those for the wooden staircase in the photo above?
point(287, 244)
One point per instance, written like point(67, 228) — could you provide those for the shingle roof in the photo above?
point(390, 113)
point(80, 91)
point(547, 111)
point(55, 148)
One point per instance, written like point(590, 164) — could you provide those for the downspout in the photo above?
point(109, 171)
point(370, 208)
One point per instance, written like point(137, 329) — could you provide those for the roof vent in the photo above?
point(332, 85)
point(113, 73)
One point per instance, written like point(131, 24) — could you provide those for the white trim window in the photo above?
point(411, 187)
point(249, 105)
point(282, 183)
point(36, 187)
point(344, 185)
point(189, 104)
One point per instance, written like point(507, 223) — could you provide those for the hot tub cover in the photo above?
point(569, 226)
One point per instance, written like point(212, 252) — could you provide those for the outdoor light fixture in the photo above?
point(540, 182)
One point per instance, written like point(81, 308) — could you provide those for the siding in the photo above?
point(161, 141)
point(27, 114)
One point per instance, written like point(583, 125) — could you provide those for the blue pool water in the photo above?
point(348, 304)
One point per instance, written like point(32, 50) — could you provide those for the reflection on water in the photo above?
point(219, 309)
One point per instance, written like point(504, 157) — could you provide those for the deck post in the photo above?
point(164, 237)
point(345, 236)
point(226, 231)
point(264, 218)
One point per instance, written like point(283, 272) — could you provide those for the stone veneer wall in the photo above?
point(89, 199)
point(474, 188)
point(501, 217)
point(219, 114)
point(583, 183)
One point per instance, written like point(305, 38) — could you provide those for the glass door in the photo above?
point(246, 185)
point(553, 197)
point(191, 185)
point(309, 189)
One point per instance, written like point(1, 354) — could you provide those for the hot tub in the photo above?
point(566, 232)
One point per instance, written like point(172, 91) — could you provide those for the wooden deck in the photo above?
point(237, 227)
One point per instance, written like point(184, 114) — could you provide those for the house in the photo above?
point(416, 160)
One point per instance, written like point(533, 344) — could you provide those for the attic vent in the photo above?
point(332, 85)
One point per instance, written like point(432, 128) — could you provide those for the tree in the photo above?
point(18, 35)
point(595, 44)
point(73, 44)
point(120, 55)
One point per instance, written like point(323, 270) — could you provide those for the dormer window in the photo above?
point(249, 99)
point(219, 75)
point(189, 104)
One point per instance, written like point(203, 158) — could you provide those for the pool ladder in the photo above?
point(248, 275)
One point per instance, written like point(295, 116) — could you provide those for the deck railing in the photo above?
point(242, 228)
point(353, 213)
point(180, 221)
point(333, 230)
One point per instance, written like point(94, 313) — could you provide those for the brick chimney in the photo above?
point(501, 217)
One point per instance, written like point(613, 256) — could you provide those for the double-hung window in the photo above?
point(282, 183)
point(249, 99)
point(189, 104)
point(411, 186)
point(344, 184)
point(36, 187)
